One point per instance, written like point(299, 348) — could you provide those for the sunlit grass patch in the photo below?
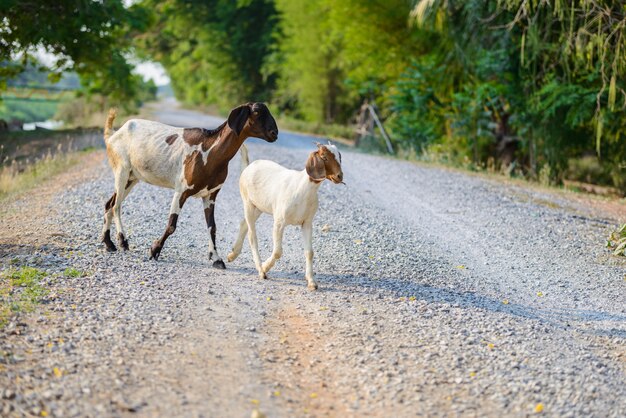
point(617, 241)
point(20, 291)
point(72, 272)
point(15, 178)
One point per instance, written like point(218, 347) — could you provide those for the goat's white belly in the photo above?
point(156, 170)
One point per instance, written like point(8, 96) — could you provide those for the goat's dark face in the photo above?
point(254, 119)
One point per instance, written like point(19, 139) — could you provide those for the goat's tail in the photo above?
point(245, 159)
point(108, 126)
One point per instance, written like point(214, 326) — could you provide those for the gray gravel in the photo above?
point(440, 294)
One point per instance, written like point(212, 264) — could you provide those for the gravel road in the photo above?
point(441, 293)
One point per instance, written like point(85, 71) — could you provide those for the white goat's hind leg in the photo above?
point(279, 227)
point(243, 229)
point(307, 237)
point(252, 214)
point(121, 179)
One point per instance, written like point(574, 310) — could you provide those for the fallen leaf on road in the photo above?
point(313, 395)
point(276, 393)
point(461, 266)
point(257, 414)
point(539, 408)
point(358, 241)
point(324, 308)
point(326, 228)
point(57, 372)
point(411, 298)
point(490, 346)
point(505, 302)
point(269, 298)
point(540, 294)
point(255, 401)
point(472, 374)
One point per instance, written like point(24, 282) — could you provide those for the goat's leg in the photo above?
point(209, 215)
point(307, 237)
point(106, 229)
point(243, 229)
point(252, 214)
point(121, 180)
point(279, 227)
point(177, 203)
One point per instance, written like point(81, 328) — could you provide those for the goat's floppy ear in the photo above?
point(238, 117)
point(315, 167)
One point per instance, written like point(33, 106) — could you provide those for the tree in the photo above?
point(90, 38)
point(213, 50)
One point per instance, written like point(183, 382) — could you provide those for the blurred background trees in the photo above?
point(532, 88)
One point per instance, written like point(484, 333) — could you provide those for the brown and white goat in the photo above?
point(192, 161)
point(290, 196)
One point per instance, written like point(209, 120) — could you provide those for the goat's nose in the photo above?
point(340, 176)
point(273, 133)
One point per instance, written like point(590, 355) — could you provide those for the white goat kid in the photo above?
point(290, 196)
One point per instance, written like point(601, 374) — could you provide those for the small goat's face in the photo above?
point(325, 163)
point(253, 119)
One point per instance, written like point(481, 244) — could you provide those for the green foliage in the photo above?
point(90, 38)
point(213, 50)
point(27, 110)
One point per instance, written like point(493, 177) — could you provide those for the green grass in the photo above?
point(72, 272)
point(20, 291)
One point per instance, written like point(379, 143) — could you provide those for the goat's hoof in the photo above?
point(219, 264)
point(155, 252)
point(312, 286)
point(123, 241)
point(262, 276)
point(231, 257)
point(106, 238)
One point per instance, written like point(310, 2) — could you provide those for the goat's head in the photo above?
point(325, 163)
point(253, 119)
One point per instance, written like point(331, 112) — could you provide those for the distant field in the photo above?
point(27, 110)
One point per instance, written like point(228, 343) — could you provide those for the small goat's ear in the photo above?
point(238, 117)
point(315, 167)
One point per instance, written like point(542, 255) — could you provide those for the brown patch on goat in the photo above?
point(194, 167)
point(171, 139)
point(200, 136)
point(333, 167)
point(315, 167)
point(110, 203)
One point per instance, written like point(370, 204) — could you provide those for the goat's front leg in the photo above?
point(209, 215)
point(243, 230)
point(177, 203)
point(279, 227)
point(307, 237)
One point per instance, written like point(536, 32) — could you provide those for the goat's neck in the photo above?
point(307, 185)
point(227, 143)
